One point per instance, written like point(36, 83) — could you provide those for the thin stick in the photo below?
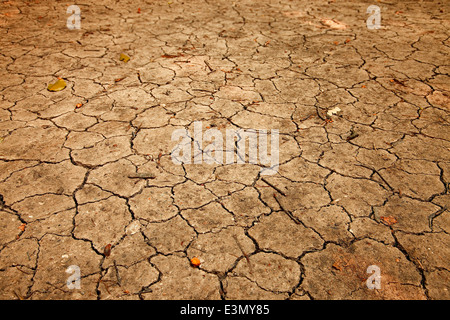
point(245, 255)
point(209, 66)
point(142, 176)
point(117, 273)
point(276, 188)
point(285, 210)
point(376, 171)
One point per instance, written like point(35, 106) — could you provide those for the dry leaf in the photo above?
point(195, 262)
point(334, 24)
point(333, 111)
point(123, 57)
point(59, 85)
point(107, 250)
point(169, 56)
point(337, 265)
point(389, 220)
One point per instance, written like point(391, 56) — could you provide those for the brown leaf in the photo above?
point(107, 250)
point(172, 55)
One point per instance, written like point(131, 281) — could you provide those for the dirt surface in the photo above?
point(87, 178)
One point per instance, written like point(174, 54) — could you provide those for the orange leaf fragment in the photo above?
point(195, 262)
point(22, 227)
point(139, 10)
point(389, 220)
point(336, 265)
point(363, 86)
point(79, 105)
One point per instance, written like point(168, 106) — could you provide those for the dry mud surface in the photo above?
point(87, 179)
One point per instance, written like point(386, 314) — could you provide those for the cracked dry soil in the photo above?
point(368, 186)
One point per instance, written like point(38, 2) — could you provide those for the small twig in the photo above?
point(399, 82)
point(209, 66)
point(146, 290)
point(352, 135)
point(274, 187)
point(290, 215)
point(243, 252)
point(434, 215)
point(100, 280)
point(17, 267)
point(19, 296)
point(117, 273)
point(376, 171)
point(142, 176)
point(55, 286)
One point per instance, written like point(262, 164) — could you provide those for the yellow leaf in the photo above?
point(123, 57)
point(57, 86)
